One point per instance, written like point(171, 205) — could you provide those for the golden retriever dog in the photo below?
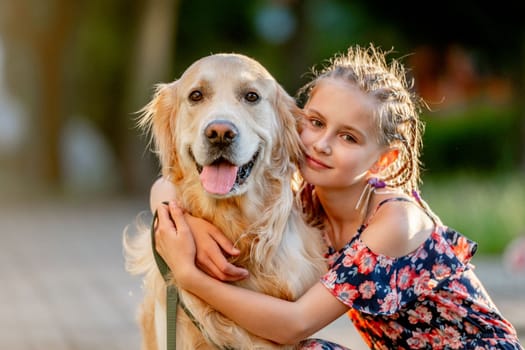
point(226, 134)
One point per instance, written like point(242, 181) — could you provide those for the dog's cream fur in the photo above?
point(282, 253)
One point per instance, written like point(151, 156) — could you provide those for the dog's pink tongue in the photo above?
point(218, 179)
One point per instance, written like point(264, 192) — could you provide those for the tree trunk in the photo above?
point(42, 34)
point(152, 60)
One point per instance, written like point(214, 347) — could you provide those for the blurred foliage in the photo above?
point(493, 31)
point(486, 209)
point(480, 138)
point(318, 29)
point(101, 59)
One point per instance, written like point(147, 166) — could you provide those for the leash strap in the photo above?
point(172, 295)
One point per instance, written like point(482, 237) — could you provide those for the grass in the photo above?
point(488, 210)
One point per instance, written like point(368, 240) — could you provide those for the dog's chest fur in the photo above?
point(236, 218)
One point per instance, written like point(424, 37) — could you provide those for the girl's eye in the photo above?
point(196, 96)
point(251, 97)
point(348, 138)
point(316, 122)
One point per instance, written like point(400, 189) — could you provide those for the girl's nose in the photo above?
point(322, 146)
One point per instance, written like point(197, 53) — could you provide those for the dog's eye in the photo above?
point(196, 96)
point(251, 97)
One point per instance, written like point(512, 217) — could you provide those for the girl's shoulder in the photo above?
point(397, 227)
point(444, 255)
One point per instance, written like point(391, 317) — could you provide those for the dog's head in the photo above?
point(225, 121)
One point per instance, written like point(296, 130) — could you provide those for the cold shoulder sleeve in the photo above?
point(376, 284)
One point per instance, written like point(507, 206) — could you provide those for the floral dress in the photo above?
point(428, 299)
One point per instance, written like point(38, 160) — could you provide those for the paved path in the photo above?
point(63, 285)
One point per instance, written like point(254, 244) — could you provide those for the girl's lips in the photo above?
point(316, 164)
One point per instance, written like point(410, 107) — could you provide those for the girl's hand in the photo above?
point(213, 247)
point(174, 242)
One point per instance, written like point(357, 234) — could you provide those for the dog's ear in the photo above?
point(289, 145)
point(158, 118)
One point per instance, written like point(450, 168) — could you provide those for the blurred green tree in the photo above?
point(101, 59)
point(93, 58)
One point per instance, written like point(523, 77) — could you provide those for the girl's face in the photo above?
point(339, 136)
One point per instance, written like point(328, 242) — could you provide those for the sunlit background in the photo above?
point(75, 170)
point(73, 74)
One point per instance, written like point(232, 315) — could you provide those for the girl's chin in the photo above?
point(310, 175)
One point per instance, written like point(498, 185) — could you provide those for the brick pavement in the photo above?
point(63, 284)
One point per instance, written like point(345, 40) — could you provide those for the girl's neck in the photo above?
point(342, 218)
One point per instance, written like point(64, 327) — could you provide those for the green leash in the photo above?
point(172, 295)
point(172, 298)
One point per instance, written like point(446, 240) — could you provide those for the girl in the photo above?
point(401, 275)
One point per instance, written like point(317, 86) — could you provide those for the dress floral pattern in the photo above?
point(320, 344)
point(429, 299)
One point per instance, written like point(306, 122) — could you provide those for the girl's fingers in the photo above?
point(177, 215)
point(163, 227)
point(183, 230)
point(224, 243)
point(163, 215)
point(210, 269)
point(174, 242)
point(222, 269)
point(234, 273)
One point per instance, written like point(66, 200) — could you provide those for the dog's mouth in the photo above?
point(222, 177)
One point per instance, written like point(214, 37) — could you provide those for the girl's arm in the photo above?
point(211, 243)
point(278, 320)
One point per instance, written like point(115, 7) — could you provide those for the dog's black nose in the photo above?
point(221, 132)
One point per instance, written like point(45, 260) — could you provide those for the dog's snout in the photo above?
point(221, 132)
